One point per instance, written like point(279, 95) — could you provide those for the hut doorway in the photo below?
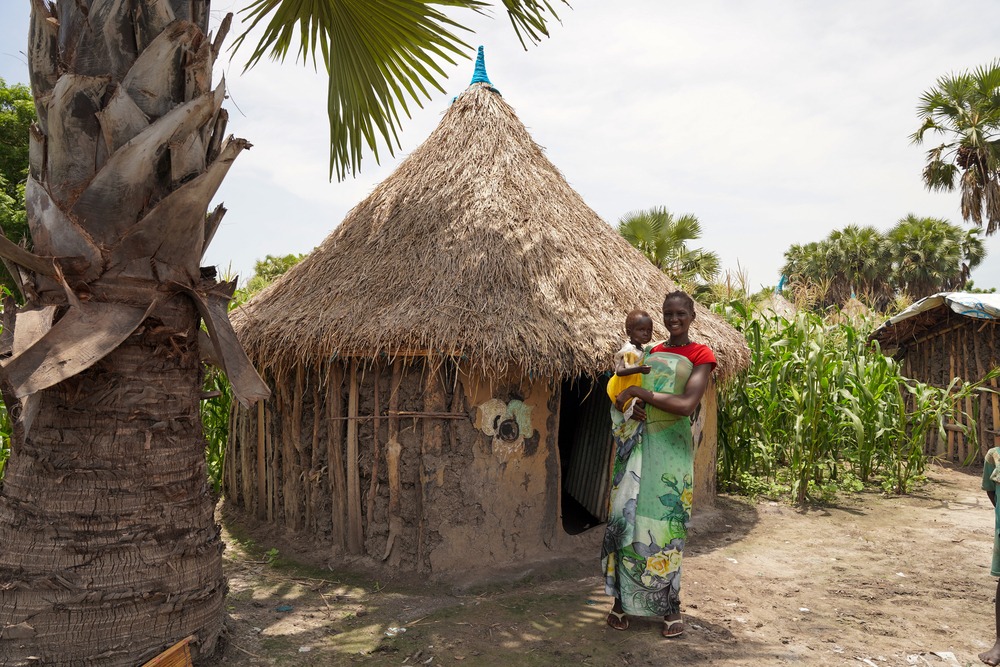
point(585, 450)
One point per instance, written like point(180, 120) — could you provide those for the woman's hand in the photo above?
point(626, 393)
point(639, 410)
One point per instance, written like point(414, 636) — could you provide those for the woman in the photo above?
point(653, 476)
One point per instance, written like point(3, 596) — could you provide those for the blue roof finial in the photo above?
point(479, 75)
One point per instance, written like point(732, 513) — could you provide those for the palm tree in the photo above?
point(811, 275)
point(110, 549)
point(377, 56)
point(859, 257)
point(664, 239)
point(965, 108)
point(932, 255)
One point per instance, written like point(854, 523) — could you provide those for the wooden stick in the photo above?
point(296, 500)
point(951, 374)
point(261, 465)
point(432, 415)
point(956, 344)
point(393, 451)
point(983, 401)
point(373, 485)
point(427, 415)
point(335, 456)
point(248, 458)
point(283, 432)
point(312, 478)
point(355, 538)
point(272, 467)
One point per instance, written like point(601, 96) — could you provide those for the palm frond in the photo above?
point(529, 18)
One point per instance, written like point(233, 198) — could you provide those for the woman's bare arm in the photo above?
point(679, 404)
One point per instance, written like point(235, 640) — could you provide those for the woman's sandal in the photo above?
point(620, 621)
point(668, 626)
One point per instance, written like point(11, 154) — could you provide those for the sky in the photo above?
point(774, 122)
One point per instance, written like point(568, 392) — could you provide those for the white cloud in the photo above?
point(774, 122)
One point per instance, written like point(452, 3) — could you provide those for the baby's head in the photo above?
point(639, 327)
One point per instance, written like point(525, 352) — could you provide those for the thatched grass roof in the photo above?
point(779, 305)
point(475, 247)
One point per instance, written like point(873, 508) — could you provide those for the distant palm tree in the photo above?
point(965, 108)
point(664, 239)
point(860, 259)
point(919, 256)
point(932, 255)
point(811, 274)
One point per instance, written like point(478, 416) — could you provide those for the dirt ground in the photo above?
point(872, 580)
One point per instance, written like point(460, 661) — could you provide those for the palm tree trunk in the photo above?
point(109, 551)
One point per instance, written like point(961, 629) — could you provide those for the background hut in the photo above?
point(853, 312)
point(776, 304)
point(436, 363)
point(945, 336)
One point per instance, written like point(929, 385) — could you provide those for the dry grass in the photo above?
point(475, 247)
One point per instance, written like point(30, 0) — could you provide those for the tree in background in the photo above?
point(810, 274)
point(267, 270)
point(861, 257)
point(17, 113)
point(965, 108)
point(932, 255)
point(917, 257)
point(664, 240)
point(110, 549)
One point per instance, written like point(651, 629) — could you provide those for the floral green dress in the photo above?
point(651, 489)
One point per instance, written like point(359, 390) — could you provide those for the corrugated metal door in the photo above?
point(588, 473)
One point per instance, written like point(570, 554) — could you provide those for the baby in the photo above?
point(639, 328)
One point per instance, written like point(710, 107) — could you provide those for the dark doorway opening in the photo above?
point(585, 449)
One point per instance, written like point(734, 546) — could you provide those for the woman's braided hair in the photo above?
point(683, 296)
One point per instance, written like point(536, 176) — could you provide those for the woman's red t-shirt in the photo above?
point(698, 354)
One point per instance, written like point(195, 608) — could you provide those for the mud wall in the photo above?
point(420, 467)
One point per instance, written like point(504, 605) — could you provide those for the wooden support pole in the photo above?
point(294, 496)
point(261, 465)
point(335, 456)
point(271, 467)
point(373, 485)
point(313, 502)
point(393, 451)
point(984, 415)
point(355, 537)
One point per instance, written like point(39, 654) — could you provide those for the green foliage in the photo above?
point(215, 413)
point(821, 408)
point(216, 410)
point(377, 56)
point(265, 272)
point(17, 113)
point(916, 258)
point(664, 239)
point(964, 108)
point(5, 432)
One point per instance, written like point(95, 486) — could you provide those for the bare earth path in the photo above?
point(875, 581)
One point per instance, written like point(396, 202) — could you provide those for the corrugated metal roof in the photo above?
point(966, 304)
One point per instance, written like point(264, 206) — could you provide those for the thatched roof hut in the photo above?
point(458, 321)
point(945, 336)
point(776, 303)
